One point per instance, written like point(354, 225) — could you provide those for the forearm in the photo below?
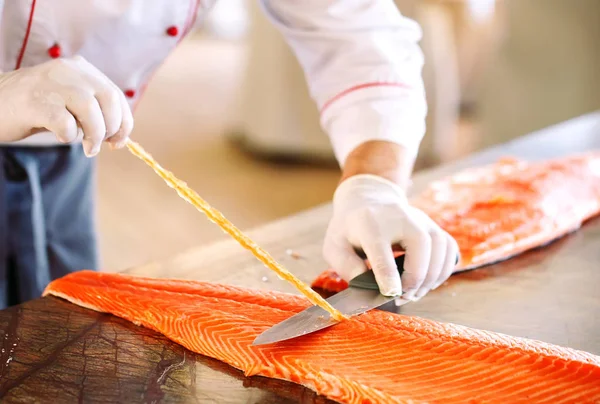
point(363, 67)
point(385, 159)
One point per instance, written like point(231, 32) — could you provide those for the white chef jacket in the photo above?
point(361, 58)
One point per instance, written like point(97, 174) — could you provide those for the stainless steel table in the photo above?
point(551, 294)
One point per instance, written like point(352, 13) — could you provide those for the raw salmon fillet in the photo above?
point(377, 357)
point(497, 211)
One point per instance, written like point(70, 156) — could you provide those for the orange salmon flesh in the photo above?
point(377, 357)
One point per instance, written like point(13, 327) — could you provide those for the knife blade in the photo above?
point(361, 295)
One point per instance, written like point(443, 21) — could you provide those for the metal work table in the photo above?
point(68, 353)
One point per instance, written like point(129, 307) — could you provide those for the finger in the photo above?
point(452, 252)
point(416, 262)
point(110, 105)
point(373, 240)
point(63, 125)
point(436, 262)
point(381, 258)
point(341, 257)
point(118, 139)
point(399, 301)
point(86, 110)
point(113, 105)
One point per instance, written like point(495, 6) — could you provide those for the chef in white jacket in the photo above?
point(72, 71)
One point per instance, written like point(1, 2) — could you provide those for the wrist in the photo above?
point(368, 187)
point(387, 160)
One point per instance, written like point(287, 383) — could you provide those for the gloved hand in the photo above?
point(60, 95)
point(372, 213)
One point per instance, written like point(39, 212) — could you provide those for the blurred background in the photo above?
point(229, 113)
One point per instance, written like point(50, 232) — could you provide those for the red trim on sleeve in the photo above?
point(360, 87)
point(26, 39)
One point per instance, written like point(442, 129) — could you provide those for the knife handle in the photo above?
point(367, 280)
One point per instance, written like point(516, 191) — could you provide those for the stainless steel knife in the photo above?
point(361, 295)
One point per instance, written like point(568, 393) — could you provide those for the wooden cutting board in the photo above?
point(55, 351)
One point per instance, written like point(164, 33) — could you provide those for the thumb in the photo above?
point(342, 258)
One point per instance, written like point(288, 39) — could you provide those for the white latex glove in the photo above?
point(372, 213)
point(68, 97)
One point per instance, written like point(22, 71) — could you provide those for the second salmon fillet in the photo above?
point(498, 211)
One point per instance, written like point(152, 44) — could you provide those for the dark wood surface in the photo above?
point(53, 351)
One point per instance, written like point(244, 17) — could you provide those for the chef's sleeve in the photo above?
point(362, 63)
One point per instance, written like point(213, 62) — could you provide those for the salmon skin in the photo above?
point(377, 357)
point(498, 211)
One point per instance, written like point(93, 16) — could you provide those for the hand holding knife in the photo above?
point(361, 296)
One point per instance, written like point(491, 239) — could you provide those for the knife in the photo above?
point(361, 295)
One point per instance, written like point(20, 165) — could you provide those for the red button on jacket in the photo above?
point(54, 51)
point(172, 31)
